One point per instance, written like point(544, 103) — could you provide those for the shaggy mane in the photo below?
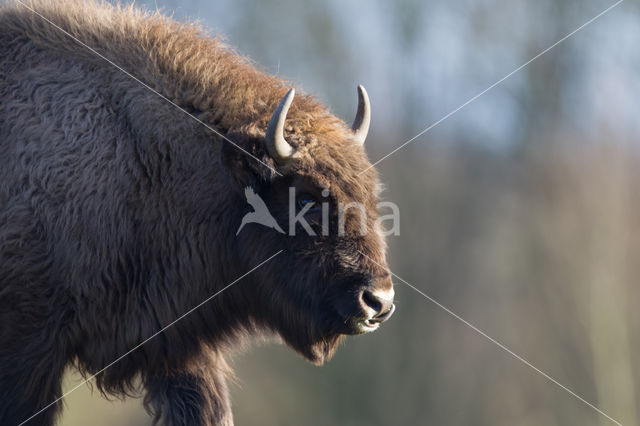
point(181, 61)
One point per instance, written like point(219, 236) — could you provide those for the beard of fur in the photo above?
point(308, 332)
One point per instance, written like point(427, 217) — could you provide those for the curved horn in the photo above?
point(277, 146)
point(360, 125)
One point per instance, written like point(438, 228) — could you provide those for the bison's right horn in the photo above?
point(277, 146)
point(360, 125)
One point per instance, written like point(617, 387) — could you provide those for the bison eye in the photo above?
point(304, 199)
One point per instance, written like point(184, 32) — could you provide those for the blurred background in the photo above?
point(521, 212)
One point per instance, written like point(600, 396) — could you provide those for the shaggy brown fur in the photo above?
point(118, 213)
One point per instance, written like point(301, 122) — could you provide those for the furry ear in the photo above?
point(246, 160)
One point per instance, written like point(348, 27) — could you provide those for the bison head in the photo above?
point(331, 279)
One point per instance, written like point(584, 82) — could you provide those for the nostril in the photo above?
point(385, 315)
point(372, 301)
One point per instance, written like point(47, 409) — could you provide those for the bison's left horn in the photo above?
point(277, 146)
point(360, 125)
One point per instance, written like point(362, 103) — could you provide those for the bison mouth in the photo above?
point(360, 325)
point(319, 345)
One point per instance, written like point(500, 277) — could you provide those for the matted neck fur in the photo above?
point(118, 213)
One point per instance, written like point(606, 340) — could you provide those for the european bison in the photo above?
point(119, 212)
